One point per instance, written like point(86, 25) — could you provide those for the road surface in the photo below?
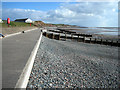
point(15, 53)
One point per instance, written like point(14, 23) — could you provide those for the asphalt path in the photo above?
point(16, 51)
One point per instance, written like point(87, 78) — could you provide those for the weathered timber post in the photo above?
point(71, 36)
point(90, 40)
point(106, 42)
point(83, 39)
point(117, 43)
point(95, 40)
point(65, 36)
point(78, 38)
point(111, 42)
point(101, 41)
point(59, 36)
point(46, 34)
point(52, 36)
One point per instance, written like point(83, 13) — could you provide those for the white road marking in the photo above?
point(24, 77)
point(9, 35)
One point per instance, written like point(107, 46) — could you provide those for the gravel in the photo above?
point(70, 64)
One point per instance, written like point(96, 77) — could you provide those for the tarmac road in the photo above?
point(15, 53)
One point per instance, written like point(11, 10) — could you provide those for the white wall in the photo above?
point(1, 21)
point(28, 21)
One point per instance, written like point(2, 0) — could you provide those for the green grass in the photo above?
point(15, 24)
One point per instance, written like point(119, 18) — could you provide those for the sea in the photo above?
point(99, 30)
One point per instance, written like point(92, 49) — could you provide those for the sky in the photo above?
point(90, 14)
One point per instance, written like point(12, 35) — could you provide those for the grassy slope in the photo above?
point(15, 24)
point(15, 27)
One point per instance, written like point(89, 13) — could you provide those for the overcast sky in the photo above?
point(91, 14)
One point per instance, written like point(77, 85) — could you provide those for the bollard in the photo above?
point(41, 30)
point(23, 32)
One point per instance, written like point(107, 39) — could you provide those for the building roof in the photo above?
point(21, 19)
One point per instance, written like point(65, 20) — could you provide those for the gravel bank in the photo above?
point(68, 64)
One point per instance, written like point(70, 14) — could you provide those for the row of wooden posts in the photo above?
point(71, 32)
point(81, 39)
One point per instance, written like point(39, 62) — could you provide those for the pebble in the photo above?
point(61, 64)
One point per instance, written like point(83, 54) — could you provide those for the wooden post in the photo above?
point(65, 36)
point(106, 42)
point(46, 34)
point(59, 36)
point(90, 40)
point(101, 41)
point(52, 36)
point(95, 40)
point(71, 36)
point(111, 42)
point(78, 38)
point(117, 43)
point(83, 39)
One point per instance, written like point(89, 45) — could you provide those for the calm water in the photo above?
point(105, 31)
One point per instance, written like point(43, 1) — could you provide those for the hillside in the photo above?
point(42, 24)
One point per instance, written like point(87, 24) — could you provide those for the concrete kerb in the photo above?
point(24, 77)
point(18, 33)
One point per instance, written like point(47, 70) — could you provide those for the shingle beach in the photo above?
point(70, 64)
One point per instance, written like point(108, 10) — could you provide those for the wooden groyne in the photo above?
point(86, 38)
point(70, 32)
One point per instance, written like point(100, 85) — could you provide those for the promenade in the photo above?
point(16, 51)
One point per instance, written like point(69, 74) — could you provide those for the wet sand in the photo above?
point(95, 31)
